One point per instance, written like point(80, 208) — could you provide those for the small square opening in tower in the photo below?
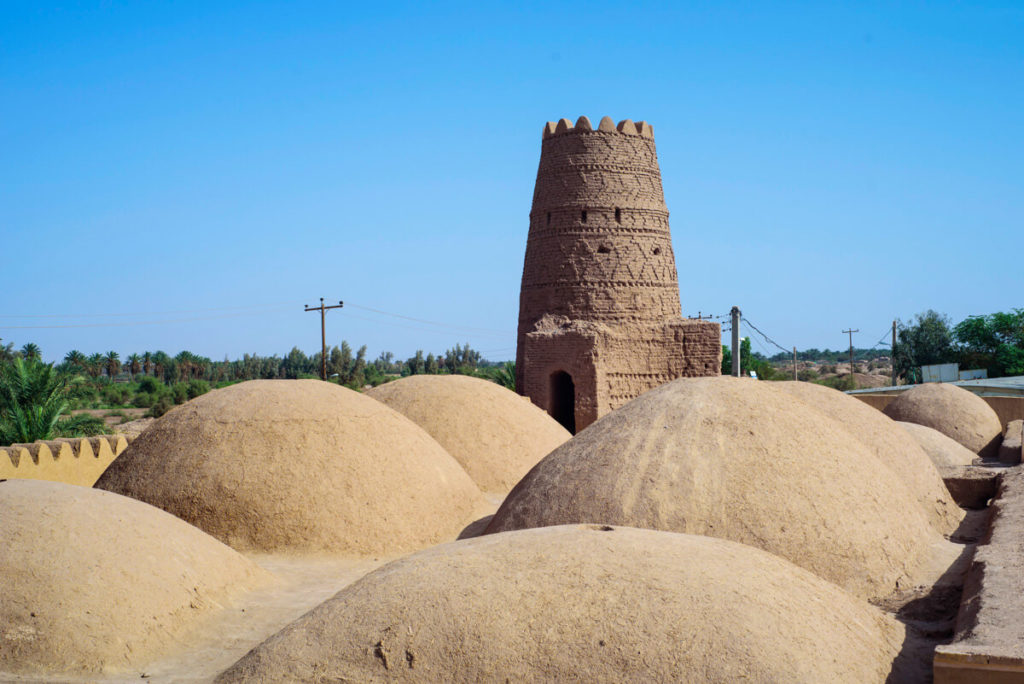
point(583, 216)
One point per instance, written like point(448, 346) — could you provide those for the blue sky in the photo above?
point(218, 165)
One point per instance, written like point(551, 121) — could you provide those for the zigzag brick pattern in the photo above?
point(78, 461)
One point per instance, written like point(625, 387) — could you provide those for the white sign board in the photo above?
point(942, 372)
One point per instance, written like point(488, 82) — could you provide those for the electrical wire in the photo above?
point(421, 320)
point(768, 339)
point(420, 328)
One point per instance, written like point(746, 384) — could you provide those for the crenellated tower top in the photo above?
point(625, 127)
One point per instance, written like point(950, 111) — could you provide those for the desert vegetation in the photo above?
point(40, 400)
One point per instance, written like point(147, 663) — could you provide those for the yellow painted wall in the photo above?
point(78, 461)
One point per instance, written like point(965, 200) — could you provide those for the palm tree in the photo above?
point(94, 365)
point(31, 351)
point(75, 359)
point(186, 362)
point(506, 375)
point(134, 365)
point(6, 352)
point(31, 401)
point(147, 363)
point(113, 363)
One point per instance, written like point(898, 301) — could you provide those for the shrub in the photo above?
point(116, 394)
point(143, 400)
point(179, 393)
point(196, 388)
point(162, 405)
point(82, 425)
point(150, 385)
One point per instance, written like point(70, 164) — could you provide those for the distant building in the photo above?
point(599, 314)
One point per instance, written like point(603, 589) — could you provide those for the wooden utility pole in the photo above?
point(735, 341)
point(892, 354)
point(794, 363)
point(853, 381)
point(323, 332)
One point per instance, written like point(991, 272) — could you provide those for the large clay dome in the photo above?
point(585, 603)
point(944, 452)
point(893, 447)
point(299, 465)
point(740, 460)
point(494, 433)
point(96, 583)
point(953, 411)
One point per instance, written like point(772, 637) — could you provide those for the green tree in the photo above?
point(75, 359)
point(134, 365)
point(112, 363)
point(925, 341)
point(295, 364)
point(417, 364)
point(994, 342)
point(7, 352)
point(31, 351)
point(94, 365)
point(506, 375)
point(31, 400)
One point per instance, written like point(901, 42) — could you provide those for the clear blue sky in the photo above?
point(826, 165)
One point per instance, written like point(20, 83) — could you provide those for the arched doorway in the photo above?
point(562, 400)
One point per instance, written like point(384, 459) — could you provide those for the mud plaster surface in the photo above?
point(227, 636)
point(304, 583)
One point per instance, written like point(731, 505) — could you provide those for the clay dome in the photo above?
point(953, 411)
point(299, 465)
point(584, 603)
point(741, 460)
point(944, 452)
point(893, 447)
point(96, 583)
point(494, 433)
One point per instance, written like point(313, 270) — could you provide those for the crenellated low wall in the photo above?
point(78, 461)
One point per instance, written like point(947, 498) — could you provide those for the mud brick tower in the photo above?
point(599, 314)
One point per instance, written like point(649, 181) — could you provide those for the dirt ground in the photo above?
point(115, 420)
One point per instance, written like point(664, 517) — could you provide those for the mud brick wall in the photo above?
point(599, 251)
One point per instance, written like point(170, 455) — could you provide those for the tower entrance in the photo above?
point(562, 400)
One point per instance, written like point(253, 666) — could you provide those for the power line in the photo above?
point(884, 337)
point(377, 321)
point(421, 320)
point(768, 339)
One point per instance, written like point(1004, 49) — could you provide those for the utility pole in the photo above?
point(892, 354)
point(735, 341)
point(323, 332)
point(794, 364)
point(853, 381)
